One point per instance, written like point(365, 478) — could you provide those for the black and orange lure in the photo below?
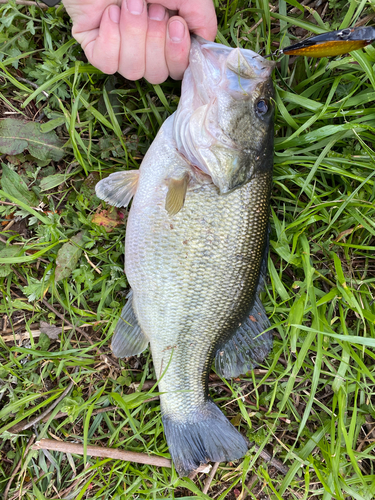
point(333, 43)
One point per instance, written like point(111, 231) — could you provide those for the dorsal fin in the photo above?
point(118, 188)
point(175, 198)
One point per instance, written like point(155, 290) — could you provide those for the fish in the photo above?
point(196, 246)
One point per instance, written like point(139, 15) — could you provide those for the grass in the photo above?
point(61, 262)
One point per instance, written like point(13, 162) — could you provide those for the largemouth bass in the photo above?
point(197, 243)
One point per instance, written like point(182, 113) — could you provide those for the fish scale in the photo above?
point(170, 286)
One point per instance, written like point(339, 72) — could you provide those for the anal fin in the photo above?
point(248, 346)
point(128, 338)
point(118, 188)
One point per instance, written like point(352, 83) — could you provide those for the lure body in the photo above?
point(333, 43)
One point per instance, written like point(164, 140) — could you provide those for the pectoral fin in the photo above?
point(175, 198)
point(118, 188)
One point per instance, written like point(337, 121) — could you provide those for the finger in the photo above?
point(102, 45)
point(199, 15)
point(156, 66)
point(133, 28)
point(177, 47)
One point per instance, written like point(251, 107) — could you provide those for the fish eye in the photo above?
point(262, 106)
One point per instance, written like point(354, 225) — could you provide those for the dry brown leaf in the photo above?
point(51, 331)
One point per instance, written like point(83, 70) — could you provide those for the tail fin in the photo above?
point(208, 436)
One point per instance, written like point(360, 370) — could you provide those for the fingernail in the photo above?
point(176, 31)
point(135, 7)
point(114, 13)
point(156, 12)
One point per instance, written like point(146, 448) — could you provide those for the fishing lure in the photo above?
point(333, 43)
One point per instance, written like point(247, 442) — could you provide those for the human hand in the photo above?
point(136, 41)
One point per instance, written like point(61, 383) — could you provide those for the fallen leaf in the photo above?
point(10, 251)
point(18, 135)
point(236, 420)
point(7, 219)
point(68, 257)
point(52, 181)
point(108, 219)
point(51, 331)
point(348, 231)
point(13, 184)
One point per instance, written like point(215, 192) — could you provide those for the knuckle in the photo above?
point(179, 55)
point(155, 35)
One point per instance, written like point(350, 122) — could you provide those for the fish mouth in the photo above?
point(219, 91)
point(243, 62)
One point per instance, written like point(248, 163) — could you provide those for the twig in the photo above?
point(254, 27)
point(98, 451)
point(249, 486)
point(21, 426)
point(34, 333)
point(63, 414)
point(79, 330)
point(92, 264)
point(31, 440)
point(34, 85)
point(205, 468)
point(74, 485)
point(25, 487)
point(271, 460)
point(369, 434)
point(218, 493)
point(364, 20)
point(8, 202)
point(208, 481)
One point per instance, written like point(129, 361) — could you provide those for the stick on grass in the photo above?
point(98, 451)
